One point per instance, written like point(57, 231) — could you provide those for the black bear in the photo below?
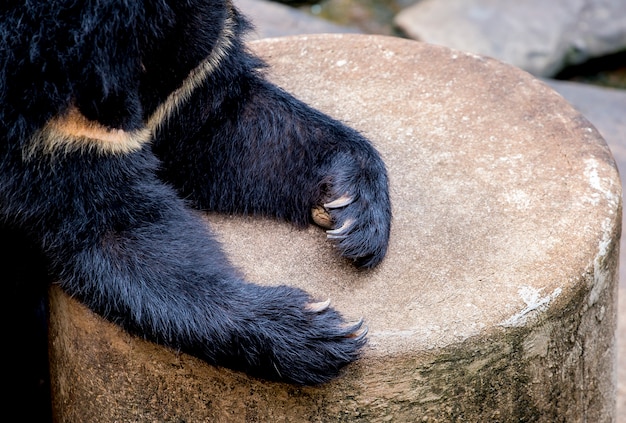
point(117, 119)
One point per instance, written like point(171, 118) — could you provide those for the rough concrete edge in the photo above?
point(554, 369)
point(503, 377)
point(559, 368)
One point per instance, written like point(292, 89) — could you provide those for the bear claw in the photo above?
point(340, 232)
point(340, 202)
point(318, 307)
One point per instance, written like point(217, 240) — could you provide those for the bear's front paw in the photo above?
point(293, 339)
point(356, 211)
point(327, 344)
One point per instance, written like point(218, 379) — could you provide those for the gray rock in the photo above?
point(271, 19)
point(536, 35)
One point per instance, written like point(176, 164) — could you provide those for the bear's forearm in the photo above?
point(274, 155)
point(168, 282)
point(114, 116)
point(123, 243)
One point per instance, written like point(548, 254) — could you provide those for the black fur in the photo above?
point(112, 227)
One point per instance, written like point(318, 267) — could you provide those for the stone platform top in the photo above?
point(496, 299)
point(503, 194)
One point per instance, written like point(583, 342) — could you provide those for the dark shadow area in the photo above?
point(607, 71)
point(24, 305)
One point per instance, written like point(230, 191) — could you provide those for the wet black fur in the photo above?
point(112, 228)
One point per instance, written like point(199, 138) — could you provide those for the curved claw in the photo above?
point(318, 307)
point(342, 201)
point(321, 215)
point(340, 232)
point(357, 330)
point(360, 334)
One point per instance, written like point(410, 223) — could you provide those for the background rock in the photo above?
point(536, 35)
point(271, 19)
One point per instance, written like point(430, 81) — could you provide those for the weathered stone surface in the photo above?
point(605, 107)
point(602, 106)
point(496, 301)
point(536, 35)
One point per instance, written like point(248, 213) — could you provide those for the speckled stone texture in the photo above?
point(496, 302)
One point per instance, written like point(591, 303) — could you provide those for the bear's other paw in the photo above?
point(296, 340)
point(355, 209)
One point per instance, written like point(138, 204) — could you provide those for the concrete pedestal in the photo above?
point(496, 302)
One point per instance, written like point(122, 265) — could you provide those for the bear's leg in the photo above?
point(123, 243)
point(247, 146)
